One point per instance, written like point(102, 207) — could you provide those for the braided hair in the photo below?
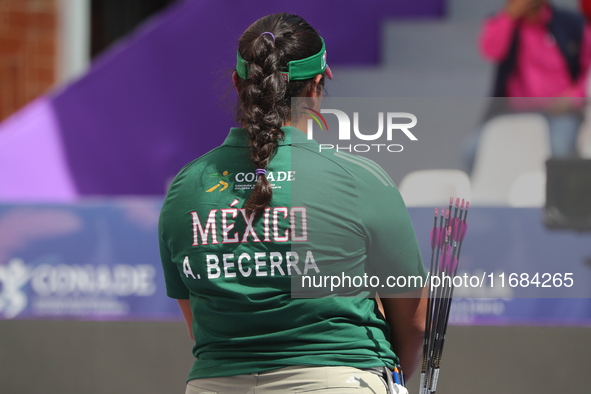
point(265, 97)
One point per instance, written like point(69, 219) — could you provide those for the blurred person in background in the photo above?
point(544, 52)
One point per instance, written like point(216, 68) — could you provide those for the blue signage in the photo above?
point(99, 260)
point(94, 260)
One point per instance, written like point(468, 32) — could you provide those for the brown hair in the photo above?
point(265, 97)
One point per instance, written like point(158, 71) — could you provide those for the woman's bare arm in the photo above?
point(406, 317)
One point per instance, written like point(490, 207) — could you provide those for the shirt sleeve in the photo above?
point(496, 36)
point(392, 249)
point(175, 287)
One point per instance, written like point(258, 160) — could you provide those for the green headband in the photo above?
point(296, 69)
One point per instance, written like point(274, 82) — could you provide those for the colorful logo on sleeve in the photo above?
point(223, 177)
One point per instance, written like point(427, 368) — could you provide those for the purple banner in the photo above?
point(164, 96)
point(32, 159)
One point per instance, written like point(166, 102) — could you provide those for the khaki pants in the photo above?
point(294, 380)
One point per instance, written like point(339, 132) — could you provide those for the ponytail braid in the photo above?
point(265, 98)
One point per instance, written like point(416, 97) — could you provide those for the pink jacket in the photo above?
point(541, 70)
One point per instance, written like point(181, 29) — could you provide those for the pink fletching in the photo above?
point(456, 228)
point(433, 237)
point(463, 202)
point(451, 200)
point(440, 237)
point(457, 202)
point(463, 231)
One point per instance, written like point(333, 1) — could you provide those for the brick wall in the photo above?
point(28, 48)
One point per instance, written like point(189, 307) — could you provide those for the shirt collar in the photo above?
point(238, 136)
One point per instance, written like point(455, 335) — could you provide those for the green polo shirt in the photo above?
point(260, 287)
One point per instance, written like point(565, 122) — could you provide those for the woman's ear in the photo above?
point(313, 95)
point(235, 79)
point(316, 88)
